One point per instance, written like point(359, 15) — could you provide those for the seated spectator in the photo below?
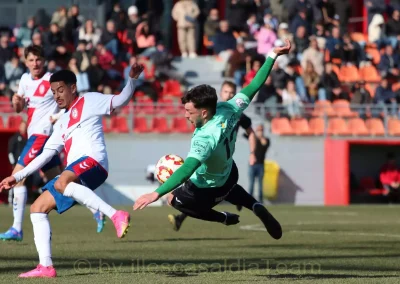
point(54, 45)
point(292, 74)
point(291, 100)
point(311, 81)
point(185, 13)
point(384, 96)
point(72, 25)
point(238, 12)
point(265, 39)
point(3, 86)
point(90, 34)
point(60, 17)
point(82, 79)
point(282, 60)
point(351, 51)
point(339, 94)
point(97, 76)
point(6, 50)
point(283, 33)
point(118, 16)
point(300, 21)
point(132, 23)
point(13, 72)
point(52, 66)
point(255, 66)
point(329, 82)
point(279, 78)
point(145, 40)
point(393, 28)
point(211, 25)
point(390, 177)
point(314, 55)
point(24, 35)
point(268, 94)
point(361, 96)
point(333, 40)
point(389, 64)
point(237, 64)
point(252, 25)
point(82, 56)
point(110, 39)
point(225, 42)
point(269, 18)
point(106, 61)
point(301, 42)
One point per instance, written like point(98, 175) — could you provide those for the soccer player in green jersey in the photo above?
point(209, 175)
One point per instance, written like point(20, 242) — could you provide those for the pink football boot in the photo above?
point(40, 272)
point(121, 221)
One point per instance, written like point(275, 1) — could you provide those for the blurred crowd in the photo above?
point(327, 61)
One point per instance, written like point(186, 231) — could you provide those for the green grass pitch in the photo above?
point(356, 244)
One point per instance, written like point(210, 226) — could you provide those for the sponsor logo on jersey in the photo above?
point(74, 113)
point(240, 102)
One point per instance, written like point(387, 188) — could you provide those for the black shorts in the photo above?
point(191, 196)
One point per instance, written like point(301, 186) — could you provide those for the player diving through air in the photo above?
point(35, 93)
point(80, 131)
point(209, 175)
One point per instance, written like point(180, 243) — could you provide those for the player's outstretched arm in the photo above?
point(177, 178)
point(125, 96)
point(33, 166)
point(262, 74)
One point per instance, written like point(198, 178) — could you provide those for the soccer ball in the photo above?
point(166, 166)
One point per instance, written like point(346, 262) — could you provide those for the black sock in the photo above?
point(239, 196)
point(181, 217)
point(202, 214)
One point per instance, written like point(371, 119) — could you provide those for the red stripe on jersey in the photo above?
point(30, 112)
point(86, 165)
point(36, 147)
point(42, 89)
point(76, 112)
point(67, 146)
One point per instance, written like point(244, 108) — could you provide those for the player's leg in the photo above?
point(239, 196)
point(42, 236)
point(175, 220)
point(87, 171)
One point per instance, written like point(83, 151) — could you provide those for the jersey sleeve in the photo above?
point(99, 104)
point(201, 148)
point(55, 142)
point(21, 91)
point(239, 102)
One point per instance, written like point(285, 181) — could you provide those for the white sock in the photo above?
point(42, 233)
point(20, 196)
point(87, 197)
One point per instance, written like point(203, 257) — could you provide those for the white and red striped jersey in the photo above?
point(80, 130)
point(40, 103)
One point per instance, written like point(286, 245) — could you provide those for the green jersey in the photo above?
point(214, 143)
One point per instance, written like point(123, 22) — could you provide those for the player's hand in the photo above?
point(145, 200)
point(7, 183)
point(284, 49)
point(53, 120)
point(252, 159)
point(16, 99)
point(136, 70)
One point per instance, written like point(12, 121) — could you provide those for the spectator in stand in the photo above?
point(185, 13)
point(52, 66)
point(37, 39)
point(389, 64)
point(267, 94)
point(211, 25)
point(106, 61)
point(225, 42)
point(282, 60)
point(71, 32)
point(279, 78)
point(237, 64)
point(82, 56)
point(385, 97)
point(13, 72)
point(301, 42)
point(82, 79)
point(252, 25)
point(311, 81)
point(90, 34)
point(110, 39)
point(291, 100)
point(292, 74)
point(6, 50)
point(3, 87)
point(118, 16)
point(277, 8)
point(330, 81)
point(376, 30)
point(374, 7)
point(333, 40)
point(342, 13)
point(283, 32)
point(25, 33)
point(314, 55)
point(393, 28)
point(132, 23)
point(265, 39)
point(351, 51)
point(327, 8)
point(255, 66)
point(97, 76)
point(60, 17)
point(301, 21)
point(361, 96)
point(390, 178)
point(54, 44)
point(145, 40)
point(239, 11)
point(269, 18)
point(339, 94)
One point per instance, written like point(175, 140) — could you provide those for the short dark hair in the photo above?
point(35, 50)
point(230, 84)
point(202, 96)
point(66, 76)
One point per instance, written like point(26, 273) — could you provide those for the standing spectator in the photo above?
point(119, 17)
point(225, 42)
point(374, 7)
point(314, 55)
point(132, 22)
point(90, 34)
point(256, 171)
point(343, 12)
point(376, 30)
point(25, 33)
point(60, 17)
point(301, 21)
point(212, 24)
point(185, 13)
point(72, 25)
point(390, 177)
point(393, 28)
point(265, 39)
point(239, 11)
